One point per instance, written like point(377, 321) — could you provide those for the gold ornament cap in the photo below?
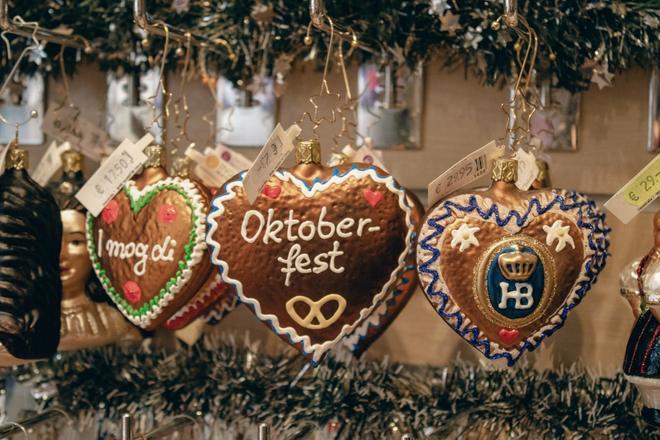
point(505, 170)
point(72, 161)
point(17, 159)
point(181, 166)
point(156, 156)
point(544, 175)
point(308, 152)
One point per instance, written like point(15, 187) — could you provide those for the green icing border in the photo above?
point(136, 206)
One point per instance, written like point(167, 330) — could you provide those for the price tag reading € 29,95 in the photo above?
point(472, 167)
point(106, 182)
point(635, 195)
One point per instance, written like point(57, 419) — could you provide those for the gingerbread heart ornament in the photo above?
point(504, 267)
point(148, 249)
point(313, 258)
point(396, 299)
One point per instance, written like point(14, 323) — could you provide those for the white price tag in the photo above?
point(472, 167)
point(528, 171)
point(106, 182)
point(50, 162)
point(278, 146)
point(637, 193)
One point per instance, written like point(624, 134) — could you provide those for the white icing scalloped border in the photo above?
point(196, 254)
point(317, 350)
point(198, 300)
point(512, 228)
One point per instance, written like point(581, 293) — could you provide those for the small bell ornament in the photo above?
point(318, 250)
point(641, 364)
point(30, 287)
point(504, 267)
point(147, 245)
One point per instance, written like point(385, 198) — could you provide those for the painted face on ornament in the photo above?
point(75, 265)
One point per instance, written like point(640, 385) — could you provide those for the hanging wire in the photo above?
point(520, 103)
point(161, 117)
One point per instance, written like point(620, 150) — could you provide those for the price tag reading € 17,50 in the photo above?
point(278, 146)
point(472, 167)
point(106, 182)
point(637, 193)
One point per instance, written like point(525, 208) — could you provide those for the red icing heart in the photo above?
point(508, 336)
point(167, 214)
point(373, 197)
point(110, 212)
point(272, 191)
point(132, 291)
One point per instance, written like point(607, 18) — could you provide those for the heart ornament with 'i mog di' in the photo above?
point(317, 251)
point(148, 245)
point(504, 267)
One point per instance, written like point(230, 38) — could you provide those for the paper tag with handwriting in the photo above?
point(60, 123)
point(635, 195)
point(106, 182)
point(67, 125)
point(472, 167)
point(279, 145)
point(50, 162)
point(217, 165)
point(528, 170)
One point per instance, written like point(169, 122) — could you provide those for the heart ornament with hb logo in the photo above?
point(317, 251)
point(504, 267)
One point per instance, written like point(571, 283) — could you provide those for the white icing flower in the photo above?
point(464, 236)
point(560, 233)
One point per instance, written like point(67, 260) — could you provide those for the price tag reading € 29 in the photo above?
point(635, 195)
point(106, 182)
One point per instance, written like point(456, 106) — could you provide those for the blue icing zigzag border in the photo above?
point(597, 241)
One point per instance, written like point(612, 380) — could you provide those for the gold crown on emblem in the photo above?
point(517, 265)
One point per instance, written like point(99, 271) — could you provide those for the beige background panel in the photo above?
point(459, 116)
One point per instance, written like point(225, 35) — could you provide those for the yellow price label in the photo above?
point(645, 186)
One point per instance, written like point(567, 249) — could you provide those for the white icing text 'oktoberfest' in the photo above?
point(292, 229)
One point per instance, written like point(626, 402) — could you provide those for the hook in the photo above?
point(264, 432)
point(126, 427)
point(22, 428)
point(317, 12)
point(164, 114)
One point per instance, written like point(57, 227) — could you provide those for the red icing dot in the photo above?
point(111, 212)
point(132, 292)
point(226, 155)
point(167, 214)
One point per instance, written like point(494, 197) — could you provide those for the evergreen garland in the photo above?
point(574, 35)
point(237, 384)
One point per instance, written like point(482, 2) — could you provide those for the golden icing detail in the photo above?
point(315, 311)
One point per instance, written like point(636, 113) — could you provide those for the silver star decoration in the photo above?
point(37, 55)
point(473, 37)
point(439, 7)
point(450, 22)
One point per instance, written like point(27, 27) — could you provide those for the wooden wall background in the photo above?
point(459, 116)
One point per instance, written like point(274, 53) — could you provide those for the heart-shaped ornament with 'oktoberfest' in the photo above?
point(504, 267)
point(314, 257)
point(148, 249)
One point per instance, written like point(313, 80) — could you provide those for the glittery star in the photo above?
point(325, 106)
point(464, 236)
point(449, 22)
point(602, 77)
point(560, 233)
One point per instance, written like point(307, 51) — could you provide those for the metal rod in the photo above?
point(264, 432)
point(511, 12)
point(176, 34)
point(27, 30)
point(126, 427)
point(317, 13)
point(169, 428)
point(31, 422)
